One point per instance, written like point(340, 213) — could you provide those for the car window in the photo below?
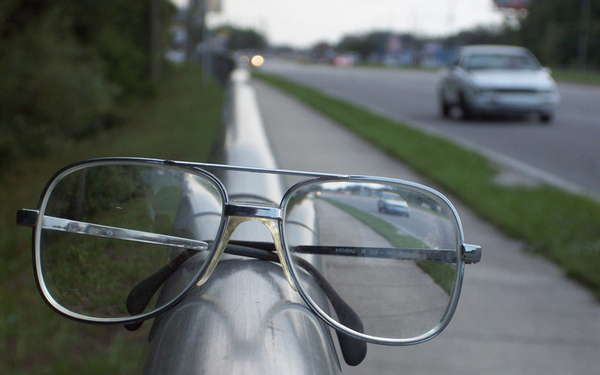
point(391, 196)
point(502, 61)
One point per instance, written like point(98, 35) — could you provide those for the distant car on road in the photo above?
point(498, 80)
point(393, 203)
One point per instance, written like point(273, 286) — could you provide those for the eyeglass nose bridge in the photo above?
point(237, 214)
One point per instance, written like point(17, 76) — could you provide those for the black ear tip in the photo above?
point(133, 326)
point(353, 350)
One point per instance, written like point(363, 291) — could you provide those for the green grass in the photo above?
point(577, 76)
point(179, 122)
point(562, 226)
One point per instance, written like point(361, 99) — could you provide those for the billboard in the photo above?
point(512, 4)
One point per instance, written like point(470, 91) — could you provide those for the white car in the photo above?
point(393, 203)
point(497, 80)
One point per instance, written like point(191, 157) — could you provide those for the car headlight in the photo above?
point(485, 95)
point(549, 96)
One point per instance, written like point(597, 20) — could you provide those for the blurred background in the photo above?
point(87, 78)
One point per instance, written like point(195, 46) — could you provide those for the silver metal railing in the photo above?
point(246, 319)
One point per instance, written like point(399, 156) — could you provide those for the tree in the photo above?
point(552, 30)
point(482, 35)
point(373, 43)
point(239, 39)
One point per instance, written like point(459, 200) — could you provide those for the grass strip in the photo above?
point(562, 226)
point(179, 122)
point(577, 76)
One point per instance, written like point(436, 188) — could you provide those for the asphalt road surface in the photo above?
point(565, 153)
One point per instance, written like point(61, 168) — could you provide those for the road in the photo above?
point(517, 314)
point(565, 153)
point(420, 225)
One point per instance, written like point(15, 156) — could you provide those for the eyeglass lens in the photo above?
point(92, 274)
point(389, 251)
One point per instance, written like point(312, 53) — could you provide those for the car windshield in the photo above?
point(502, 62)
point(391, 196)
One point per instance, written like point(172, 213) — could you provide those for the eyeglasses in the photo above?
point(122, 240)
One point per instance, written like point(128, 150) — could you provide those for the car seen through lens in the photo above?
point(393, 204)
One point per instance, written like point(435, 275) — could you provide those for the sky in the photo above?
point(302, 23)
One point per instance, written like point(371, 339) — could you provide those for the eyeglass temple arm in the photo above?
point(29, 218)
point(353, 350)
point(431, 255)
point(142, 293)
point(470, 254)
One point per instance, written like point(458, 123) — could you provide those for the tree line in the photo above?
point(68, 66)
point(553, 30)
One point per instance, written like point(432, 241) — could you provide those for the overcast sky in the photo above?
point(301, 23)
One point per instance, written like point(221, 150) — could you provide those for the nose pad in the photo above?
point(232, 223)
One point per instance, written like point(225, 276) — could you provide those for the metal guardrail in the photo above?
point(246, 319)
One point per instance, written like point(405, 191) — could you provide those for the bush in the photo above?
point(50, 85)
point(67, 66)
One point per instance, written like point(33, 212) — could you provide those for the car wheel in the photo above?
point(546, 118)
point(467, 113)
point(445, 107)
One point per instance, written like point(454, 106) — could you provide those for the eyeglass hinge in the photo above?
point(26, 217)
point(471, 254)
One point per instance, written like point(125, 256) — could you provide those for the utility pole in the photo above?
point(206, 42)
point(155, 60)
point(190, 40)
point(584, 33)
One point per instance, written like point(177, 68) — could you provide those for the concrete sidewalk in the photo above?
point(518, 313)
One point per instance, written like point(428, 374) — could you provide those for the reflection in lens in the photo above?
point(93, 274)
point(389, 250)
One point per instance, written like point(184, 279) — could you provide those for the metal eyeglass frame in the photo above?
point(232, 216)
